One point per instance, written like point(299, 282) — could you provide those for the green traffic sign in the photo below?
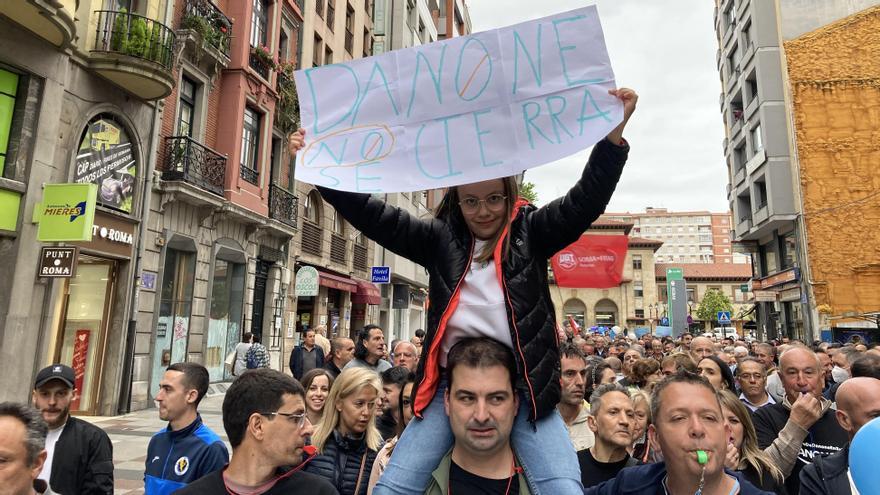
point(674, 274)
point(66, 213)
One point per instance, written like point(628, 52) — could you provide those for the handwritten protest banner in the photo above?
point(462, 110)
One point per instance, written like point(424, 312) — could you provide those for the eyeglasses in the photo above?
point(495, 202)
point(298, 419)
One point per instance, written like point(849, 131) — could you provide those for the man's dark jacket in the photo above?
point(648, 480)
point(827, 475)
point(296, 360)
point(83, 460)
point(292, 481)
point(445, 247)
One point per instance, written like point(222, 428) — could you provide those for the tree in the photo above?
point(713, 302)
point(527, 191)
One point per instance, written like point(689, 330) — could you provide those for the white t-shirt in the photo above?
point(481, 308)
point(241, 350)
point(51, 439)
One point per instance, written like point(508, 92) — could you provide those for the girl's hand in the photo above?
point(296, 141)
point(629, 98)
point(731, 459)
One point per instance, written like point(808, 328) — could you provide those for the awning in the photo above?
point(336, 282)
point(367, 293)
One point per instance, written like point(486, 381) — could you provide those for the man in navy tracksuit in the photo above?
point(187, 449)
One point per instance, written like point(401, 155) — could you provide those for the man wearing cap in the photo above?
point(86, 465)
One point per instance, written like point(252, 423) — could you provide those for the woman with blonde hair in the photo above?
point(347, 439)
point(743, 453)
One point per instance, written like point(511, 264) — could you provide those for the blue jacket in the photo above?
point(648, 480)
point(176, 458)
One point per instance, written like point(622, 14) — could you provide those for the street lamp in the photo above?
point(653, 312)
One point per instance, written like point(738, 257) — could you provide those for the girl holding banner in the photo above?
point(486, 252)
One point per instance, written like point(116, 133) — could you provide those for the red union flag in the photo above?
point(591, 262)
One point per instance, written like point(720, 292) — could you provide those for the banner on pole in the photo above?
point(593, 261)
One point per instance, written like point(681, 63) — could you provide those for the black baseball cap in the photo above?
point(55, 372)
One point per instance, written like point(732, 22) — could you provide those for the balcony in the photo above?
point(193, 163)
point(249, 175)
point(282, 205)
point(311, 241)
point(207, 29)
point(51, 20)
point(337, 248)
point(260, 64)
point(134, 52)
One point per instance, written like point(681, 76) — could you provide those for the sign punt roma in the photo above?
point(591, 262)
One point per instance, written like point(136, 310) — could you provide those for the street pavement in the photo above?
point(130, 435)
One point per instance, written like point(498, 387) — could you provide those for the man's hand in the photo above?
point(296, 141)
point(629, 98)
point(806, 410)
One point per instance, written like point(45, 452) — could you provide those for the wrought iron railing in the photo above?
point(337, 248)
point(259, 66)
point(282, 205)
point(311, 241)
point(134, 35)
point(249, 174)
point(210, 22)
point(189, 161)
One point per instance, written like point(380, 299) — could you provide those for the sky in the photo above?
point(665, 50)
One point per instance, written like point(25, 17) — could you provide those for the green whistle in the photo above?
point(702, 457)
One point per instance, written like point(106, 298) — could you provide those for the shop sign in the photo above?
point(106, 158)
point(764, 295)
point(66, 213)
point(57, 262)
point(789, 295)
point(306, 282)
point(111, 234)
point(380, 275)
point(777, 279)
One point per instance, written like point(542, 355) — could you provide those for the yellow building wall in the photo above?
point(834, 74)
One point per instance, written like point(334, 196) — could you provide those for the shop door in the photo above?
point(260, 279)
point(175, 309)
point(89, 297)
point(224, 325)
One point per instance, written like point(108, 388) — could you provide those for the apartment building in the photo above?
point(688, 236)
point(766, 115)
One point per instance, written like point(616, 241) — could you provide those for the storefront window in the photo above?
point(175, 309)
point(84, 327)
point(224, 325)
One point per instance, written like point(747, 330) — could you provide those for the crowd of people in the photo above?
point(493, 398)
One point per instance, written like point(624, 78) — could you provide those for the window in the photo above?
point(739, 157)
point(730, 15)
point(760, 194)
point(769, 261)
point(757, 140)
point(640, 313)
point(8, 90)
point(637, 262)
point(259, 23)
point(250, 138)
point(319, 7)
point(691, 294)
point(310, 207)
point(328, 55)
point(338, 223)
point(317, 51)
point(638, 290)
point(788, 250)
point(283, 47)
point(331, 14)
point(187, 107)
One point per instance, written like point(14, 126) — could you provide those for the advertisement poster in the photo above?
point(80, 354)
point(106, 158)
